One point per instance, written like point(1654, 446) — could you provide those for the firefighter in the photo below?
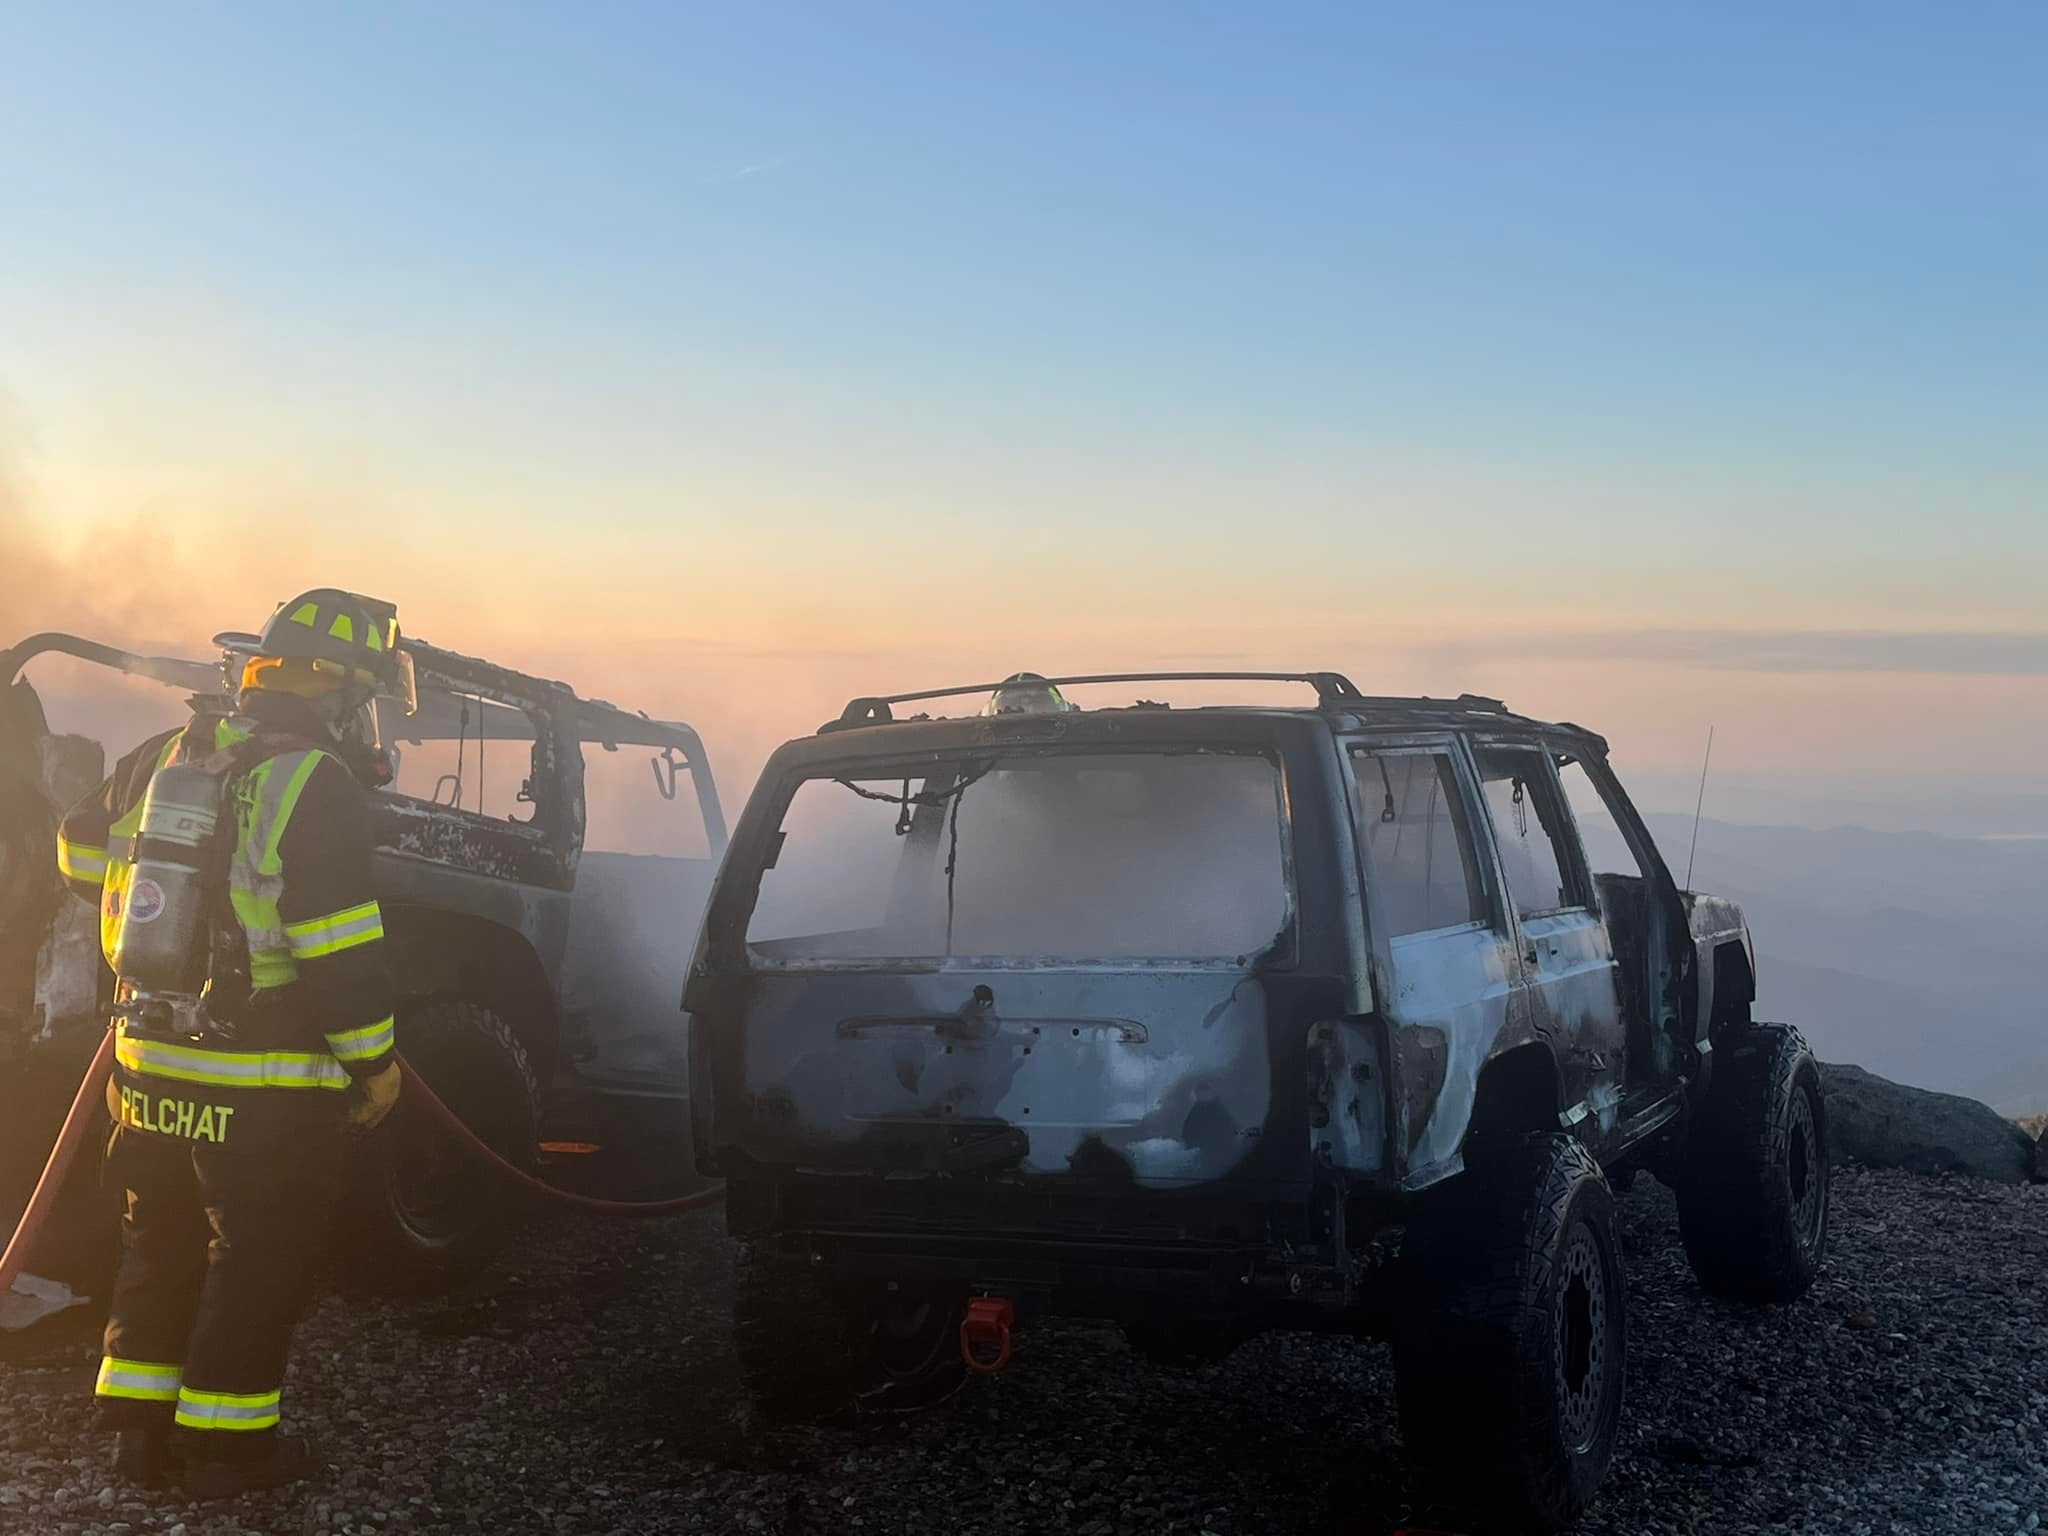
point(229, 1142)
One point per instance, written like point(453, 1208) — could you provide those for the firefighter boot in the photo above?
point(143, 1456)
point(287, 1459)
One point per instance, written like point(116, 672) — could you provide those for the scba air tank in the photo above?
point(160, 941)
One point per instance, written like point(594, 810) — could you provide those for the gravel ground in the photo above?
point(594, 1390)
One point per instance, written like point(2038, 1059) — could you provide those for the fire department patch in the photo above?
point(145, 902)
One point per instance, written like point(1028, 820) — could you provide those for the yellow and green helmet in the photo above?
point(333, 629)
point(1027, 693)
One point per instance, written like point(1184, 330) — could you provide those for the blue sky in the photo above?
point(1592, 317)
point(1605, 238)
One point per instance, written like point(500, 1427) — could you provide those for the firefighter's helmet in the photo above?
point(1028, 693)
point(342, 636)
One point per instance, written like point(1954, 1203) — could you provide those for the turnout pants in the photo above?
point(218, 1252)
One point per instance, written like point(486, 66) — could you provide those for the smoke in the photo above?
point(1095, 856)
point(33, 581)
point(162, 565)
point(120, 581)
point(43, 587)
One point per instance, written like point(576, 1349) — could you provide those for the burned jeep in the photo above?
point(1342, 1017)
point(533, 875)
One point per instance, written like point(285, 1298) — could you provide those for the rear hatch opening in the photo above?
point(1031, 962)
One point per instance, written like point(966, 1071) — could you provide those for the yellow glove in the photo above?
point(374, 1097)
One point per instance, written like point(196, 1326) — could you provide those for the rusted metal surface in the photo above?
point(1347, 1096)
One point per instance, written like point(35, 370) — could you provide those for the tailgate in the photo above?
point(1159, 1076)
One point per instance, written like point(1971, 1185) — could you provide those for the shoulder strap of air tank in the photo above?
point(200, 743)
point(241, 757)
point(196, 740)
point(229, 944)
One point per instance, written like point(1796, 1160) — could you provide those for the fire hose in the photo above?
point(474, 1145)
point(91, 1086)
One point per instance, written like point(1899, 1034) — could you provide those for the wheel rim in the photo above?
point(1806, 1169)
point(424, 1191)
point(435, 1194)
point(1582, 1355)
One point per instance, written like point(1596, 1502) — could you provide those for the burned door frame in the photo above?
point(601, 1044)
point(1671, 953)
point(539, 853)
point(1436, 1058)
point(1590, 1044)
point(523, 875)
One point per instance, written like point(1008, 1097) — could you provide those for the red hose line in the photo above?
point(415, 1087)
point(44, 1200)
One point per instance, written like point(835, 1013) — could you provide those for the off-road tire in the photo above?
point(1753, 1181)
point(813, 1352)
point(426, 1214)
point(1509, 1373)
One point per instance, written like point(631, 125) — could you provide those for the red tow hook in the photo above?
point(985, 1333)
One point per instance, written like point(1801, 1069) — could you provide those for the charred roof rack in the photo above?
point(175, 672)
point(1333, 691)
point(1463, 704)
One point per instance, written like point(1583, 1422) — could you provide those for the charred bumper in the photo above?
point(1075, 1251)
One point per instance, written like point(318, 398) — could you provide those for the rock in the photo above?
point(32, 1299)
point(1882, 1124)
point(2036, 1127)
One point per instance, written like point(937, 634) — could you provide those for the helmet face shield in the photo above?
point(362, 738)
point(403, 687)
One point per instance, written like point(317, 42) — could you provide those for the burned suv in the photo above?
point(1344, 1017)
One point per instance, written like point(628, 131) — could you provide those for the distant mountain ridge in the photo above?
point(1917, 955)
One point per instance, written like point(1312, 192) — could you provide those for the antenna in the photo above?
point(1699, 805)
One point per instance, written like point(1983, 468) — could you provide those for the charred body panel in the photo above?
point(1158, 1078)
point(1726, 984)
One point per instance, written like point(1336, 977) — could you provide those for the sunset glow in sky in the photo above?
point(1652, 368)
